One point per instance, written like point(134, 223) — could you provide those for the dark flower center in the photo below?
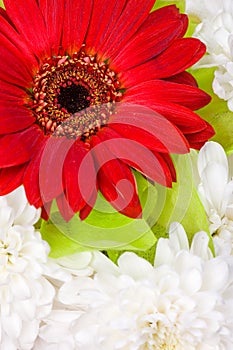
point(72, 88)
point(74, 98)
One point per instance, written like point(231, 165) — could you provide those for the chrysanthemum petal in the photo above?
point(28, 141)
point(116, 181)
point(11, 178)
point(165, 91)
point(136, 155)
point(138, 50)
point(132, 16)
point(78, 184)
point(13, 118)
point(76, 21)
point(29, 22)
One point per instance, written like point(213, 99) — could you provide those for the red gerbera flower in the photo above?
point(94, 86)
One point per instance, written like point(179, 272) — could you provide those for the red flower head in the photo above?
point(90, 89)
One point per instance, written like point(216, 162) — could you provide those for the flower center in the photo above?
point(71, 88)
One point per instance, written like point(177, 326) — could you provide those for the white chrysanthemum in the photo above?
point(56, 329)
point(216, 31)
point(25, 296)
point(183, 302)
point(216, 193)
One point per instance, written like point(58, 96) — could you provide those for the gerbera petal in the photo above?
point(30, 23)
point(165, 91)
point(132, 16)
point(78, 184)
point(52, 161)
point(116, 181)
point(14, 118)
point(76, 21)
point(53, 13)
point(152, 122)
point(11, 178)
point(105, 15)
point(183, 78)
point(85, 211)
point(9, 31)
point(186, 120)
point(13, 68)
point(136, 155)
point(64, 207)
point(31, 179)
point(138, 50)
point(23, 143)
point(140, 135)
point(180, 55)
point(200, 137)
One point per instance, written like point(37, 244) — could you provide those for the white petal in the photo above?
point(178, 237)
point(211, 152)
point(133, 265)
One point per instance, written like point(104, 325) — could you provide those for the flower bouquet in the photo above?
point(116, 197)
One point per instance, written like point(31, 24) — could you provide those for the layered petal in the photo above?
point(132, 16)
point(79, 176)
point(11, 178)
point(165, 91)
point(29, 22)
point(23, 144)
point(76, 21)
point(116, 181)
point(138, 50)
point(136, 155)
point(14, 118)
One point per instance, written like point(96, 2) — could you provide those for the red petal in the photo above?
point(14, 118)
point(152, 122)
point(137, 156)
point(167, 92)
point(183, 78)
point(13, 69)
point(132, 16)
point(182, 54)
point(79, 176)
point(52, 161)
point(31, 179)
point(64, 207)
point(10, 33)
point(76, 21)
point(148, 43)
point(185, 119)
point(144, 137)
point(116, 182)
point(19, 147)
point(11, 178)
point(53, 13)
point(45, 210)
point(201, 137)
point(105, 15)
point(85, 211)
point(29, 22)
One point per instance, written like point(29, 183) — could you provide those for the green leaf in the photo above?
point(104, 229)
point(182, 203)
point(1, 4)
point(161, 3)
